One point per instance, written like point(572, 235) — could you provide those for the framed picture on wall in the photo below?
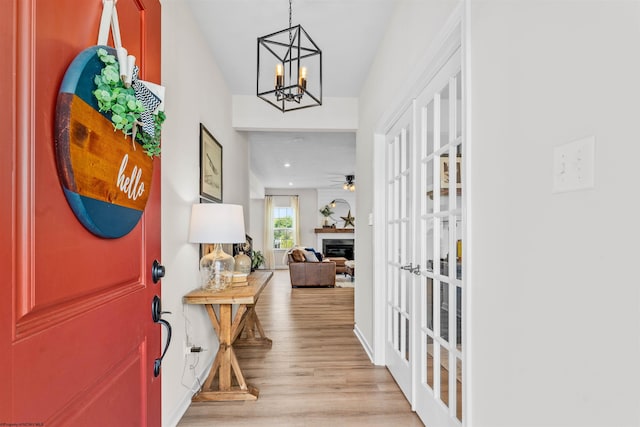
point(210, 166)
point(444, 172)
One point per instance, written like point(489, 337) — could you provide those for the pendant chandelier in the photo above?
point(289, 69)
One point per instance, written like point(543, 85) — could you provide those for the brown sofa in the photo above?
point(304, 273)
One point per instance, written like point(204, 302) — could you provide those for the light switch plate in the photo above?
point(573, 165)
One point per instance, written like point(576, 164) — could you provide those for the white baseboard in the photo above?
point(184, 404)
point(363, 341)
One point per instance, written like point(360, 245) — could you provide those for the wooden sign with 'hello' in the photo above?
point(106, 177)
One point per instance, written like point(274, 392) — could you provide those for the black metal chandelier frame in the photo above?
point(291, 86)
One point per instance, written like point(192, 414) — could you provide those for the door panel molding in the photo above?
point(24, 164)
point(83, 406)
point(8, 184)
point(38, 320)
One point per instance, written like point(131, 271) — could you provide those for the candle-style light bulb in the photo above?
point(279, 76)
point(302, 80)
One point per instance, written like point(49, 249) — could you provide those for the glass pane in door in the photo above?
point(458, 108)
point(445, 182)
point(429, 249)
point(407, 331)
point(430, 365)
point(429, 304)
point(444, 375)
point(444, 134)
point(444, 311)
point(459, 389)
point(459, 315)
point(458, 240)
point(428, 125)
point(444, 246)
point(428, 172)
point(458, 174)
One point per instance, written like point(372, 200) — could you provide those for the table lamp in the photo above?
point(216, 223)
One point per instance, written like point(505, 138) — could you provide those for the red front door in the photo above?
point(77, 340)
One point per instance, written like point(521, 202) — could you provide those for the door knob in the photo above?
point(157, 271)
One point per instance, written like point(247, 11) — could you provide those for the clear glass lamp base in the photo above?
point(216, 269)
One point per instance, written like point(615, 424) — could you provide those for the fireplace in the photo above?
point(338, 248)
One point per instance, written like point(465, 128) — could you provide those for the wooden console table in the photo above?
point(242, 331)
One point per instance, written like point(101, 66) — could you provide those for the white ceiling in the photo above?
point(317, 160)
point(347, 31)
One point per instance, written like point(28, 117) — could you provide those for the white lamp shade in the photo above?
point(216, 223)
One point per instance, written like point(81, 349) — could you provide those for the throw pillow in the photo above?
point(310, 256)
point(298, 255)
point(318, 254)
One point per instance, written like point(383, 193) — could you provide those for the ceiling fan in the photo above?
point(349, 183)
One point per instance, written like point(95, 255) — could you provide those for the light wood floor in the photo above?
point(316, 373)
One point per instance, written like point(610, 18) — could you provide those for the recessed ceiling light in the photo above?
point(286, 165)
point(291, 183)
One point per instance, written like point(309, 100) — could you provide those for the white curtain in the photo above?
point(295, 204)
point(268, 233)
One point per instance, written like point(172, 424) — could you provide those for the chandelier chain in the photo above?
point(289, 22)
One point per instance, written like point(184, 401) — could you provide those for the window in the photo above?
point(283, 228)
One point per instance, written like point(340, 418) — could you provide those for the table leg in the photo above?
point(253, 328)
point(226, 362)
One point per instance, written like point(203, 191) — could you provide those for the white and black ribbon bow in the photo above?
point(148, 99)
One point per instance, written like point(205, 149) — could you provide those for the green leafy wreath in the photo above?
point(113, 96)
point(326, 211)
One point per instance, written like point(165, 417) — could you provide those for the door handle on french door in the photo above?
point(411, 269)
point(156, 313)
point(157, 271)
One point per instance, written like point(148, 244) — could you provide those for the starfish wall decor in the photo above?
point(348, 220)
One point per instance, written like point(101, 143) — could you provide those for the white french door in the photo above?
point(439, 235)
point(425, 231)
point(398, 347)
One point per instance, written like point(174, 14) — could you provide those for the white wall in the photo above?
point(555, 301)
point(336, 114)
point(196, 93)
point(256, 189)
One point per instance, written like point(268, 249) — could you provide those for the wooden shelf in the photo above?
point(333, 230)
point(445, 192)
